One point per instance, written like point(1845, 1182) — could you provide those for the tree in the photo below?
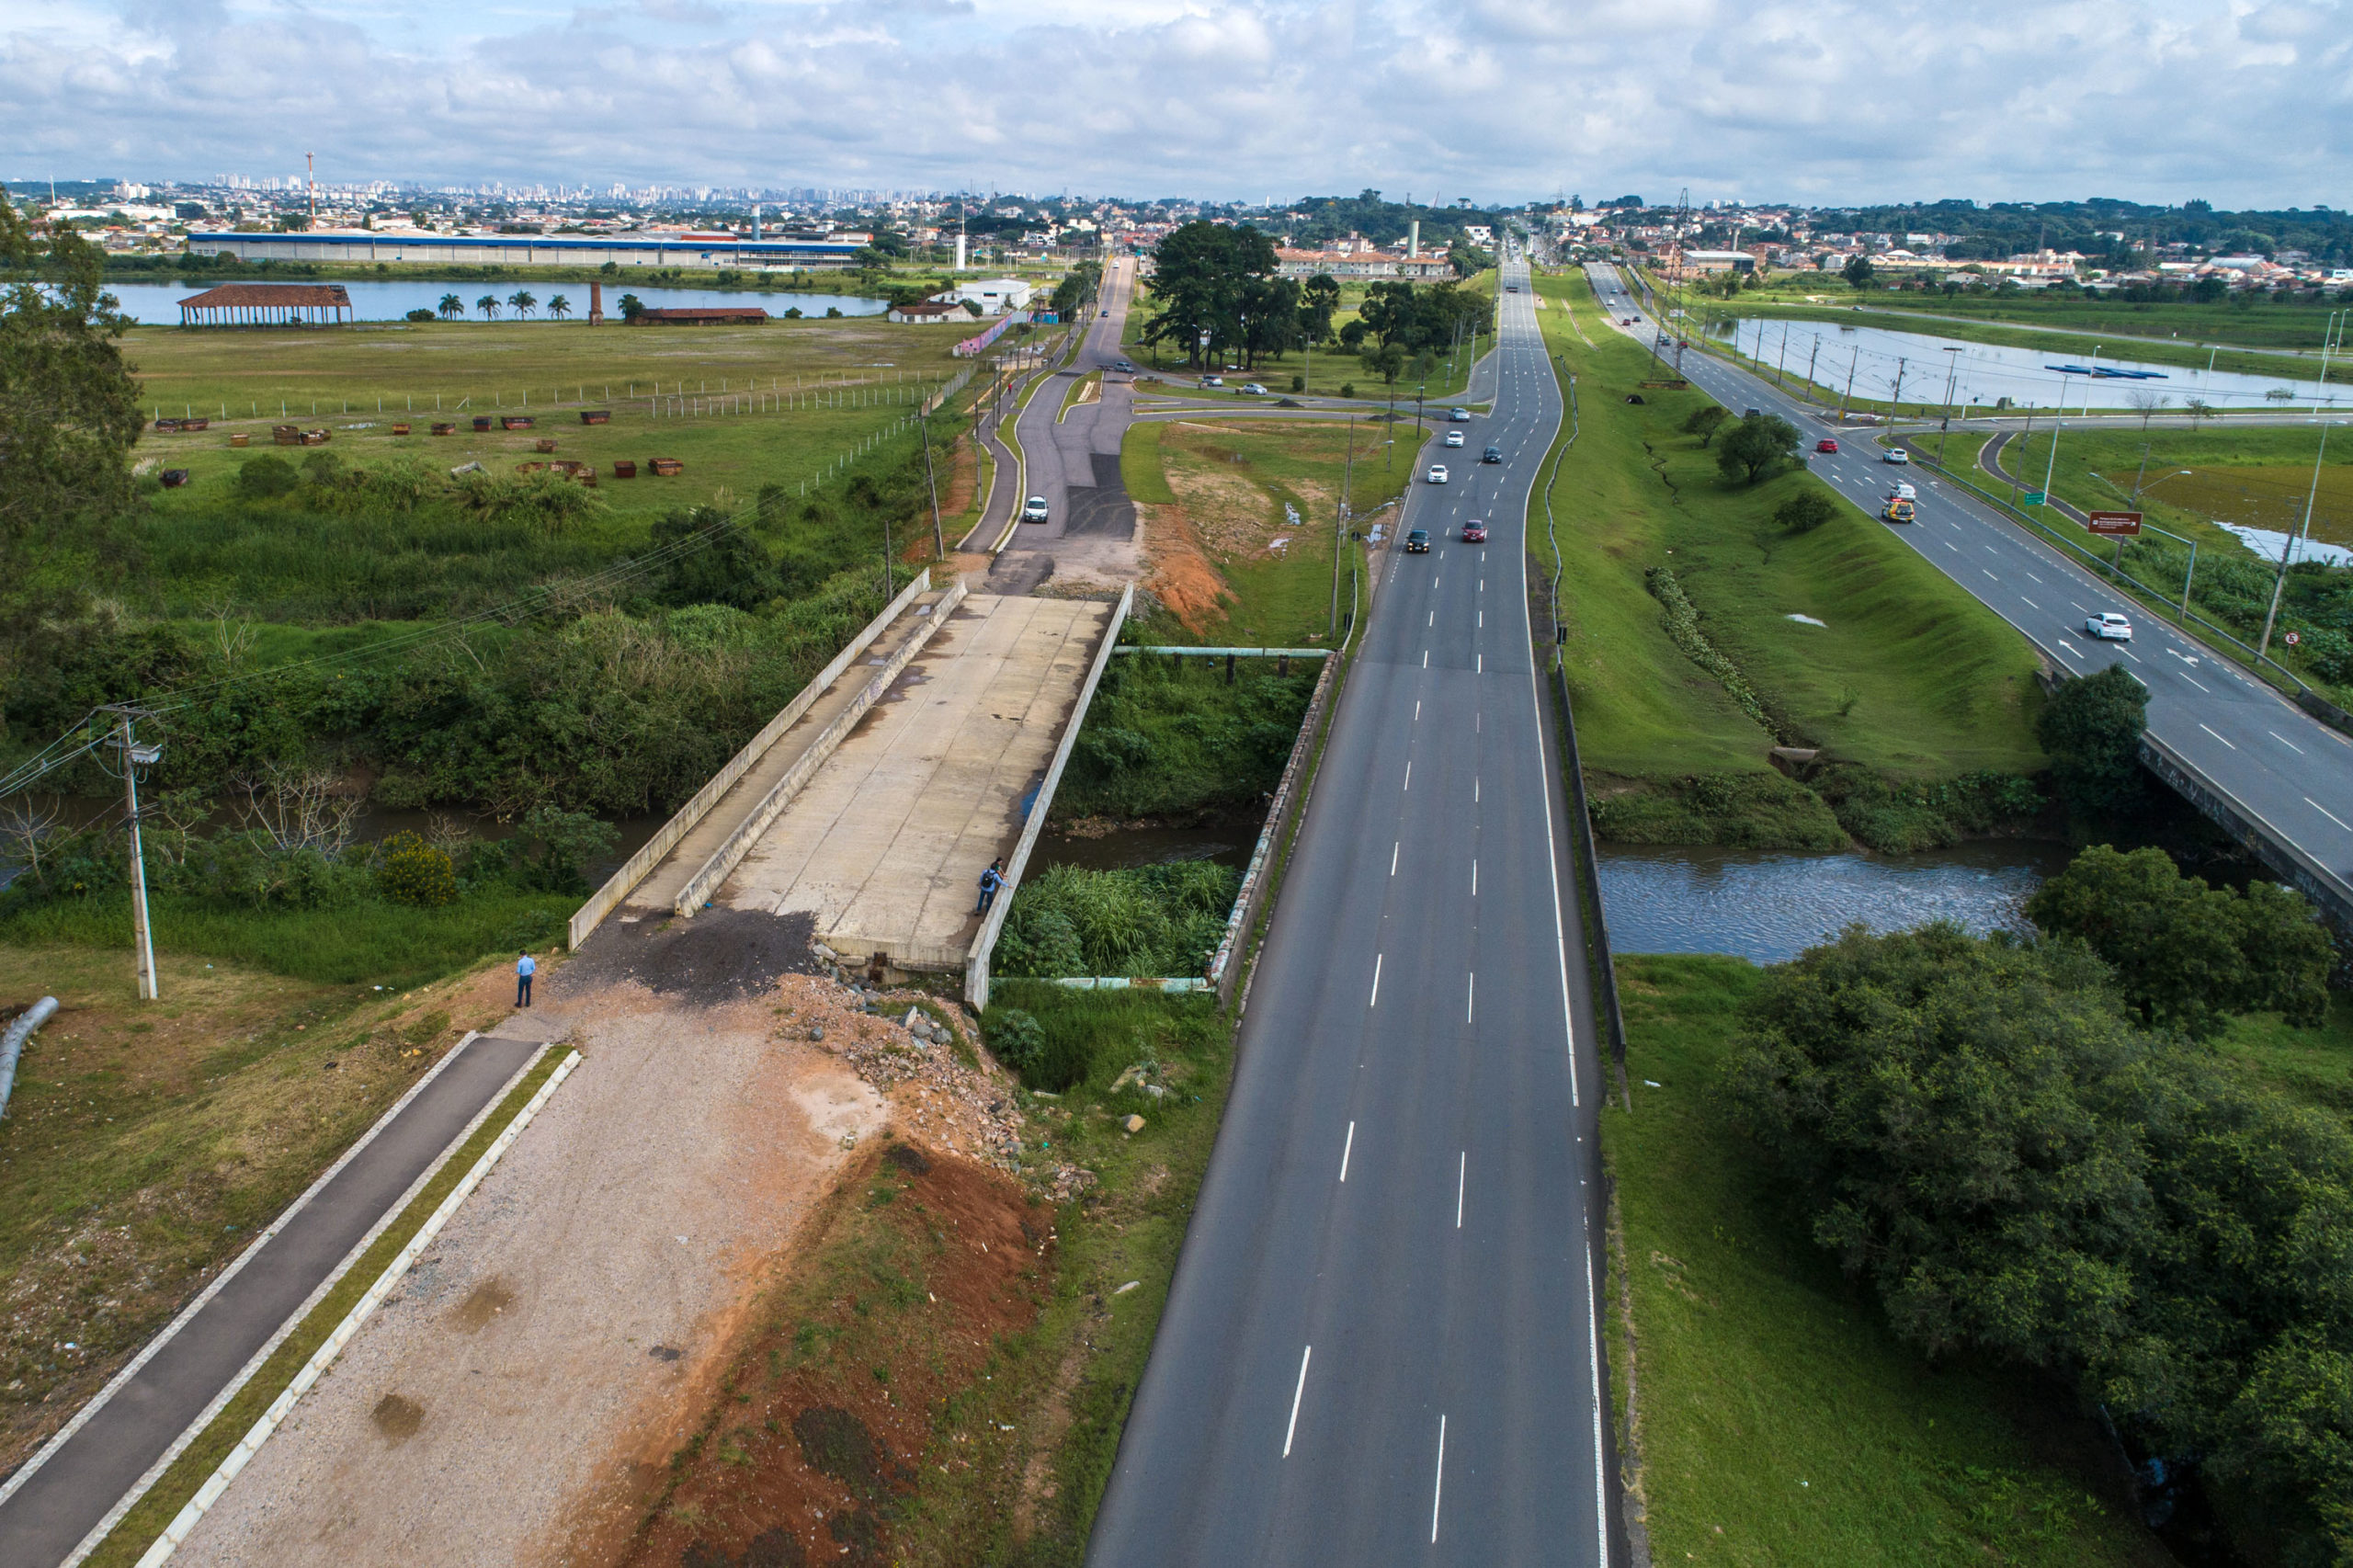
point(1199, 282)
point(451, 307)
point(69, 410)
point(1804, 511)
point(522, 299)
point(488, 306)
point(1319, 301)
point(2187, 955)
point(631, 307)
point(558, 307)
point(1704, 420)
point(2091, 728)
point(1755, 445)
point(1857, 271)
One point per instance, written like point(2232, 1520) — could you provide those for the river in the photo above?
point(1985, 373)
point(158, 304)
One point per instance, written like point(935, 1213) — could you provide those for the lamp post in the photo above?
point(2050, 466)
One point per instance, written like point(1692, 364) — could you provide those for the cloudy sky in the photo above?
point(2246, 104)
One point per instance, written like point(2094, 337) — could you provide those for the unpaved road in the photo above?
point(550, 1345)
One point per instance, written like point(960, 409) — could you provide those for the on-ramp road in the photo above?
point(1380, 1346)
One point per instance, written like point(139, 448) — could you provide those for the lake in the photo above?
point(1985, 373)
point(158, 304)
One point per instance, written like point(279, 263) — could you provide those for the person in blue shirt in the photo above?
point(991, 880)
point(525, 967)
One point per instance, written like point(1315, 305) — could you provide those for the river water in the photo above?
point(158, 304)
point(1983, 373)
point(1768, 905)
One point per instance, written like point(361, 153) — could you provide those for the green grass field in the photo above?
point(1907, 675)
point(2258, 477)
point(1778, 1420)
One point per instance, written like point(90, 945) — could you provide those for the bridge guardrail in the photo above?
point(976, 960)
point(714, 870)
point(633, 870)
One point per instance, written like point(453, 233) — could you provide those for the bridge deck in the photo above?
point(887, 843)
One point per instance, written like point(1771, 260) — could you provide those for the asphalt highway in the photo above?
point(1380, 1346)
point(2278, 766)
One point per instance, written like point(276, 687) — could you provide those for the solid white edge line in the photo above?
point(239, 1457)
point(1292, 1430)
point(1438, 1488)
point(1561, 942)
point(147, 1353)
point(1348, 1149)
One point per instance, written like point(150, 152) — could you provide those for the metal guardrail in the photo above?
point(606, 899)
point(714, 870)
point(976, 960)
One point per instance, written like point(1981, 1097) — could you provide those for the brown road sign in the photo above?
point(2125, 524)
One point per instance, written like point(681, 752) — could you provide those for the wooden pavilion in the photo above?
point(268, 304)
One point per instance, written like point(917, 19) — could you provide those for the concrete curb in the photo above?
point(178, 1530)
point(606, 899)
point(147, 1352)
point(976, 961)
point(725, 858)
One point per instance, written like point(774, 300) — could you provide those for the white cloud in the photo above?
point(2156, 99)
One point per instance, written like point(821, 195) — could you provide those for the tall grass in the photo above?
point(1168, 735)
point(1162, 920)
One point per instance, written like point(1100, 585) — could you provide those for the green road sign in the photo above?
point(2033, 498)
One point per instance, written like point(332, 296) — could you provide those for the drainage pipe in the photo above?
point(12, 1045)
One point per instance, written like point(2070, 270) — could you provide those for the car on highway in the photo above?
point(1254, 388)
point(1825, 445)
point(2108, 627)
point(1454, 437)
point(1034, 510)
point(1107, 312)
point(1897, 510)
point(1904, 492)
point(1436, 474)
point(1127, 365)
point(1492, 455)
point(1475, 533)
point(1896, 455)
point(1458, 415)
point(1418, 542)
point(1213, 381)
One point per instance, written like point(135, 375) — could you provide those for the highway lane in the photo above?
point(2278, 764)
point(1380, 1346)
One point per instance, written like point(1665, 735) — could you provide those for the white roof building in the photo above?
point(993, 295)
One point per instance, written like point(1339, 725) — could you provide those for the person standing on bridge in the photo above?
point(991, 880)
point(525, 967)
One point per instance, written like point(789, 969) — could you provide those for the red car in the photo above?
point(1825, 445)
point(1475, 533)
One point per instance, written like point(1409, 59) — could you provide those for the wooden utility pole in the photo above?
point(142, 939)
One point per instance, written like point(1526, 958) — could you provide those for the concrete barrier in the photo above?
point(713, 871)
point(1226, 966)
point(976, 960)
point(606, 899)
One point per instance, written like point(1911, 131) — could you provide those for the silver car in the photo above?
point(1436, 474)
point(1034, 511)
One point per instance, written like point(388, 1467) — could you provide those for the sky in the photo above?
point(1505, 101)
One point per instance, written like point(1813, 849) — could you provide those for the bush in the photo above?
point(1299, 383)
point(265, 477)
point(1804, 511)
point(419, 314)
point(2091, 728)
point(1015, 1039)
point(1348, 389)
point(412, 872)
point(1149, 921)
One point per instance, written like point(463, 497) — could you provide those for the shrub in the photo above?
point(1804, 511)
point(410, 870)
point(1705, 420)
point(262, 478)
point(1015, 1039)
point(1348, 389)
point(419, 314)
point(1299, 383)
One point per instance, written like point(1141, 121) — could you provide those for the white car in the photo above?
point(1035, 510)
point(2108, 627)
point(1436, 474)
point(1255, 390)
point(1213, 381)
point(1903, 491)
point(1896, 455)
point(1454, 437)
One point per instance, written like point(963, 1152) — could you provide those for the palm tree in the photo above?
point(452, 307)
point(558, 306)
point(522, 300)
point(488, 306)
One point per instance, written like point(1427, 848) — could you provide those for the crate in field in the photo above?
point(241, 439)
point(544, 444)
point(596, 416)
point(667, 468)
point(481, 421)
point(624, 469)
point(445, 426)
point(400, 427)
point(286, 434)
point(515, 422)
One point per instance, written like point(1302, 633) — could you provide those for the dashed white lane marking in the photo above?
point(2327, 813)
point(1346, 1150)
point(2217, 737)
point(1375, 1000)
point(1292, 1430)
point(1438, 1490)
point(2027, 602)
point(2285, 742)
point(1461, 1180)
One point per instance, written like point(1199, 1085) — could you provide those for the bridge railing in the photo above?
point(606, 899)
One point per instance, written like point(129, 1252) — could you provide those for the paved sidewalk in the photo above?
point(72, 1489)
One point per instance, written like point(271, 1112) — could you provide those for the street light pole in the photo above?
point(1340, 528)
point(2288, 549)
point(142, 934)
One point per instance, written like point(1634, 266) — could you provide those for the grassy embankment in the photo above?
point(147, 1141)
point(1214, 497)
point(1779, 1419)
point(1917, 694)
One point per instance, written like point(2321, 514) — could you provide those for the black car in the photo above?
point(1492, 455)
point(1418, 542)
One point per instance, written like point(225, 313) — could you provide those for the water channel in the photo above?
point(1985, 373)
point(158, 304)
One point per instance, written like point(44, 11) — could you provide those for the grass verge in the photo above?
point(154, 1512)
point(1777, 1419)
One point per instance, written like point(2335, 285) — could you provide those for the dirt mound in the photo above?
point(720, 956)
point(1181, 577)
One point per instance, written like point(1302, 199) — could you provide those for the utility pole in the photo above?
point(2288, 549)
point(1953, 370)
point(143, 937)
point(1340, 529)
point(1895, 404)
point(1853, 359)
point(2050, 466)
point(938, 538)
